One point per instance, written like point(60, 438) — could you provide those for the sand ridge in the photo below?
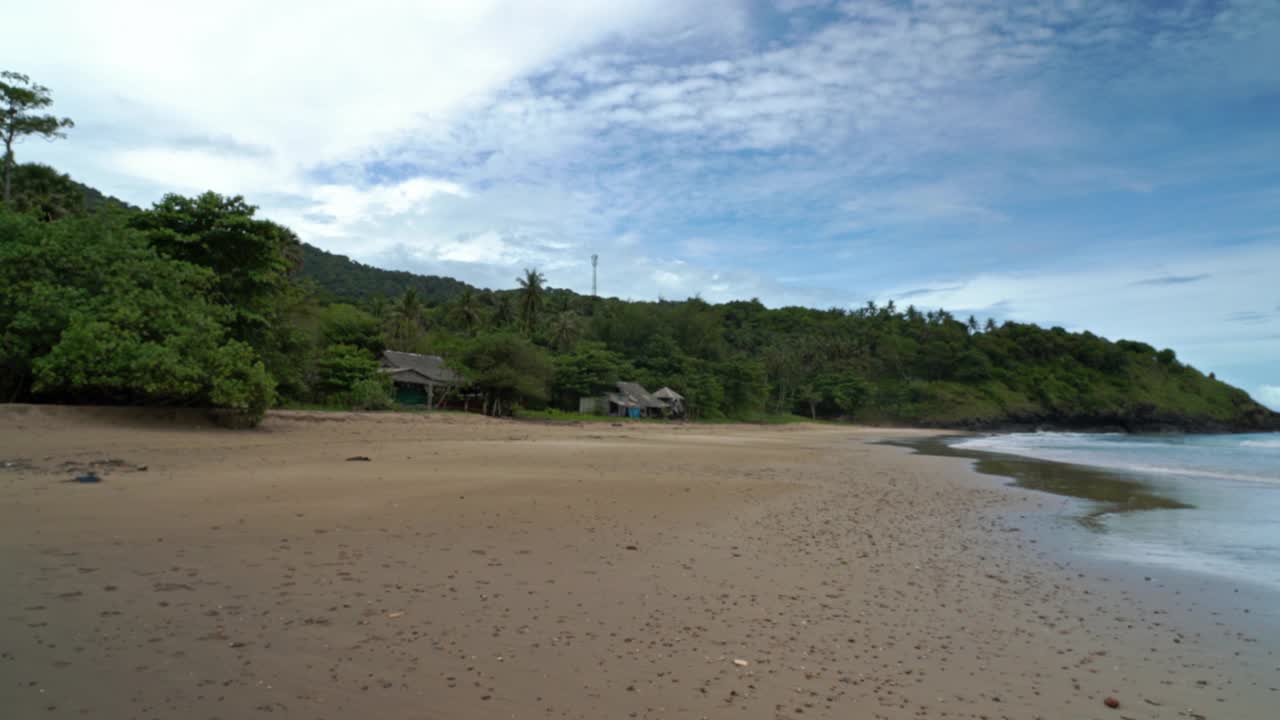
point(478, 568)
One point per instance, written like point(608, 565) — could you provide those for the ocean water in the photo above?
point(1199, 503)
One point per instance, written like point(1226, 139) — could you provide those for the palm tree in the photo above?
point(406, 317)
point(531, 292)
point(466, 310)
point(503, 315)
point(565, 331)
point(379, 307)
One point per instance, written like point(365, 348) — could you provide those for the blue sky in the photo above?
point(1097, 165)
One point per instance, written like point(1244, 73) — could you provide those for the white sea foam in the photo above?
point(1230, 483)
point(1182, 558)
point(1185, 456)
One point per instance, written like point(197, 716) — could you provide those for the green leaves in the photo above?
point(588, 371)
point(531, 291)
point(508, 368)
point(94, 314)
point(342, 324)
point(250, 258)
point(341, 367)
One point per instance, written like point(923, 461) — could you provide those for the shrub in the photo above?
point(341, 367)
point(374, 393)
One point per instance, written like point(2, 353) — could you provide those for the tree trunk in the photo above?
point(444, 397)
point(8, 169)
point(17, 388)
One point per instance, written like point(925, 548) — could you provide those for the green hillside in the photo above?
point(346, 280)
point(197, 301)
point(49, 194)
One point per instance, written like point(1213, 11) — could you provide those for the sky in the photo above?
point(1096, 165)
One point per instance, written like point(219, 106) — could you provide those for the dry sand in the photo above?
point(478, 568)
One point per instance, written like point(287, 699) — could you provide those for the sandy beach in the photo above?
point(477, 568)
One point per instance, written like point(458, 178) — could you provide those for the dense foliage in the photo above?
point(198, 301)
point(340, 278)
point(50, 195)
point(92, 313)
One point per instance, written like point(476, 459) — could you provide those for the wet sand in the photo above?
point(476, 568)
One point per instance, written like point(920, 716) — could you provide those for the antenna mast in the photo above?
point(595, 260)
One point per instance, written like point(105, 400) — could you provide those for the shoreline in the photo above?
point(1092, 493)
point(486, 568)
point(1223, 611)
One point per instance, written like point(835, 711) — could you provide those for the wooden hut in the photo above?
point(419, 379)
point(630, 400)
point(673, 400)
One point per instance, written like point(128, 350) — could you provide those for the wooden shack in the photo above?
point(419, 379)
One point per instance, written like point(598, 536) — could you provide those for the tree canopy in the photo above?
point(92, 312)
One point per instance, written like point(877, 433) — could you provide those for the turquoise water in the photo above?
point(1231, 484)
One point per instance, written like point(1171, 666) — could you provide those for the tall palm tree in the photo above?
point(503, 315)
point(379, 307)
point(531, 294)
point(406, 317)
point(565, 330)
point(466, 310)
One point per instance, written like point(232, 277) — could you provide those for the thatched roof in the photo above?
point(634, 395)
point(431, 367)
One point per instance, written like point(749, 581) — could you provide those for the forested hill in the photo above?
point(49, 194)
point(346, 280)
point(197, 301)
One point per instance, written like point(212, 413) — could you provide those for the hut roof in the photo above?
point(667, 393)
point(409, 376)
point(431, 367)
point(634, 395)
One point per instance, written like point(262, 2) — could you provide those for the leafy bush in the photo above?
point(92, 313)
point(509, 369)
point(341, 367)
point(373, 393)
point(242, 383)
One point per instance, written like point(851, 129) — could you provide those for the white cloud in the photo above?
point(667, 280)
point(1268, 395)
point(1218, 312)
point(308, 87)
point(315, 83)
point(193, 170)
point(486, 248)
